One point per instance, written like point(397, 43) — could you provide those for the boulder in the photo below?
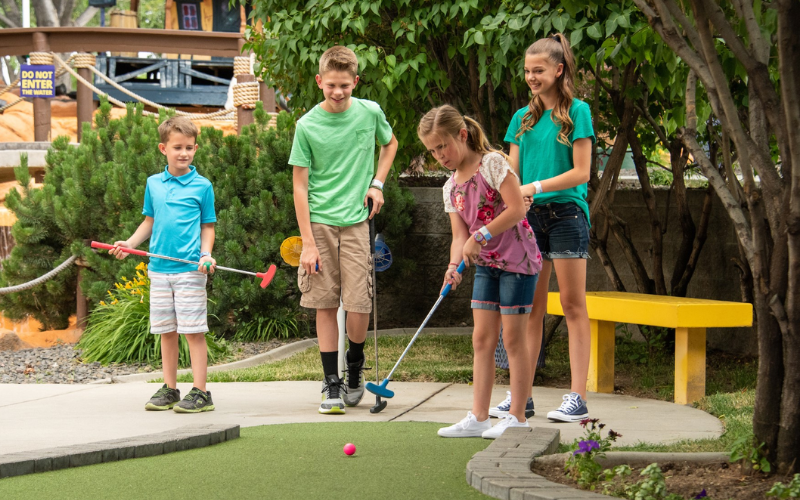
point(9, 341)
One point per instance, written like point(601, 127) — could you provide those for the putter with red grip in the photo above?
point(266, 277)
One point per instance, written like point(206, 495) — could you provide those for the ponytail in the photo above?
point(558, 51)
point(446, 119)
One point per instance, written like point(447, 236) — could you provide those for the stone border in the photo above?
point(64, 457)
point(503, 469)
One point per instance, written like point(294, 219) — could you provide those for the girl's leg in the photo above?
point(484, 340)
point(198, 353)
point(169, 358)
point(514, 340)
point(534, 330)
point(571, 275)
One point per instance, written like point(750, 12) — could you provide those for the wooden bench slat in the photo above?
point(659, 310)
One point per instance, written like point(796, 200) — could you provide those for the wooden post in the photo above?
point(41, 106)
point(85, 101)
point(81, 309)
point(244, 115)
point(267, 95)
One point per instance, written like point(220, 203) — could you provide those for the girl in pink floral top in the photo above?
point(487, 215)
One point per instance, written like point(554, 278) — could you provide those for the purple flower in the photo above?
point(586, 446)
point(700, 495)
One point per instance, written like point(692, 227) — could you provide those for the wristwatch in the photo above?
point(205, 254)
point(479, 238)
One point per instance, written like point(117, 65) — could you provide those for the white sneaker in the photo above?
point(509, 421)
point(468, 427)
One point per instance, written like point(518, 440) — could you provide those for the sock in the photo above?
point(356, 352)
point(330, 363)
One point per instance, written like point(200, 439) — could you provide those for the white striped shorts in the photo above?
point(178, 302)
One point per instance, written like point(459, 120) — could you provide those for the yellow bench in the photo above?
point(689, 318)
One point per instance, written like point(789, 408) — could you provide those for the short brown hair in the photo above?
point(339, 58)
point(179, 124)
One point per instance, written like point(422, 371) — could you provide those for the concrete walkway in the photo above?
point(34, 417)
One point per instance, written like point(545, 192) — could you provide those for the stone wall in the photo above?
point(404, 301)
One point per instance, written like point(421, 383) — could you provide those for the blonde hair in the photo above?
point(558, 51)
point(339, 58)
point(446, 119)
point(179, 124)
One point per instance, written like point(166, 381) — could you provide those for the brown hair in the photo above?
point(339, 58)
point(179, 124)
point(446, 119)
point(558, 51)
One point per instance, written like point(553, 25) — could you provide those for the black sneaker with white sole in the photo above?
point(195, 402)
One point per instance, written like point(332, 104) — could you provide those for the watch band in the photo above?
point(376, 184)
point(485, 232)
point(205, 254)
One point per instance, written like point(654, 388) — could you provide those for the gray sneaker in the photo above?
point(354, 381)
point(195, 402)
point(164, 399)
point(332, 389)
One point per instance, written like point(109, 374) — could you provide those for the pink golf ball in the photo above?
point(349, 449)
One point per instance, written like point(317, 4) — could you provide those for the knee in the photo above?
point(574, 307)
point(483, 343)
point(514, 342)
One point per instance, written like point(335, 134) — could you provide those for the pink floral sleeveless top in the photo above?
point(478, 202)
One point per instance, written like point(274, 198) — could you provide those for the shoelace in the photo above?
point(506, 404)
point(332, 390)
point(464, 423)
point(164, 391)
point(569, 404)
point(352, 373)
point(193, 396)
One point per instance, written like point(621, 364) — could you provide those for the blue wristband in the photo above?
point(485, 232)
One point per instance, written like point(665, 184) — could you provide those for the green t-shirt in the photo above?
point(339, 150)
point(542, 157)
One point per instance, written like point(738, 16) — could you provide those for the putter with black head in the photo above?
point(380, 389)
point(379, 404)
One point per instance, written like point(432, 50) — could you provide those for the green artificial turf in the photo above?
point(393, 460)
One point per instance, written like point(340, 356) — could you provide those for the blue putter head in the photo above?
point(381, 389)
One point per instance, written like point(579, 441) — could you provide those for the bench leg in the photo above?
point(690, 365)
point(601, 357)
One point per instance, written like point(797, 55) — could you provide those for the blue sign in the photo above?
point(37, 81)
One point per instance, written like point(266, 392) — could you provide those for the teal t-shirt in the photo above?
point(178, 205)
point(542, 157)
point(339, 150)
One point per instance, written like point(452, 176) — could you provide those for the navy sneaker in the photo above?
point(572, 409)
point(501, 410)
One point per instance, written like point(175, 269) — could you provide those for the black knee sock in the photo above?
point(356, 352)
point(330, 363)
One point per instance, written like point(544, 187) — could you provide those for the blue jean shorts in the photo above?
point(507, 292)
point(561, 230)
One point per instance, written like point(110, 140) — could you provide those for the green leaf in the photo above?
point(372, 57)
point(611, 26)
point(594, 31)
point(391, 60)
point(410, 37)
point(422, 82)
point(575, 37)
point(506, 40)
point(479, 38)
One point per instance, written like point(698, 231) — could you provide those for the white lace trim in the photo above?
point(494, 169)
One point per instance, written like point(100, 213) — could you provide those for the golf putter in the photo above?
point(380, 389)
point(379, 404)
point(266, 277)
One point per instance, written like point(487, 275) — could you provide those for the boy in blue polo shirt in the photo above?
point(179, 220)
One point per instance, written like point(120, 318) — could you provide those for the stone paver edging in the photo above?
point(180, 439)
point(503, 469)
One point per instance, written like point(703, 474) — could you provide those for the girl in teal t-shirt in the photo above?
point(551, 144)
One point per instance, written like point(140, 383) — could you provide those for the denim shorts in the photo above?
point(561, 230)
point(507, 292)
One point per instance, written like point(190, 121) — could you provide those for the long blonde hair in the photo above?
point(446, 119)
point(558, 51)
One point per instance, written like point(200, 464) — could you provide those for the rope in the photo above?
point(40, 279)
point(42, 58)
point(241, 66)
point(19, 99)
point(9, 86)
point(84, 60)
point(245, 95)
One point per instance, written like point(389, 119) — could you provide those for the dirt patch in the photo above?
point(719, 480)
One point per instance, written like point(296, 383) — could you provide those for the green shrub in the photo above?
point(119, 328)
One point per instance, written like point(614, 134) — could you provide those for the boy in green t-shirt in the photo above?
point(333, 156)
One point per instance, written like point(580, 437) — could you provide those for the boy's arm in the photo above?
point(388, 151)
point(139, 236)
point(309, 258)
point(207, 236)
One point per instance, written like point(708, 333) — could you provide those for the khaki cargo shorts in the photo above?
point(346, 269)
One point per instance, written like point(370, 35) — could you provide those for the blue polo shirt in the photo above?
point(178, 206)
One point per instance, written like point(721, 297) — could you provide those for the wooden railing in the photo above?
point(22, 41)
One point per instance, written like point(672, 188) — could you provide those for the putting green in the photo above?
point(393, 460)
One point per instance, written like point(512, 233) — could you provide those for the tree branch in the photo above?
point(8, 22)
